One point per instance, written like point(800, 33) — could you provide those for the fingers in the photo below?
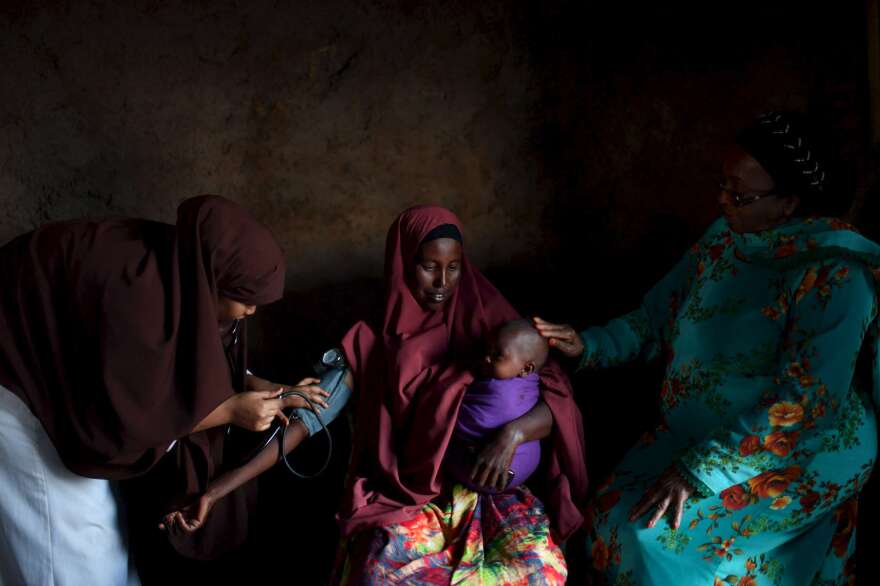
point(173, 523)
point(319, 390)
point(271, 405)
point(480, 474)
point(645, 503)
point(571, 349)
point(561, 341)
point(166, 522)
point(317, 394)
point(556, 336)
point(661, 510)
point(321, 402)
point(310, 390)
point(494, 478)
point(476, 472)
point(563, 337)
point(678, 510)
point(542, 325)
point(190, 525)
point(555, 331)
point(269, 410)
point(316, 390)
point(282, 418)
point(662, 498)
point(184, 524)
point(503, 478)
point(178, 521)
point(309, 380)
point(563, 346)
point(485, 473)
point(183, 521)
point(264, 421)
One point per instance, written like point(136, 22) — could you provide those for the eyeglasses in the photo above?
point(230, 350)
point(740, 198)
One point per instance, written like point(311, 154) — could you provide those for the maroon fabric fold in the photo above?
point(108, 329)
point(411, 372)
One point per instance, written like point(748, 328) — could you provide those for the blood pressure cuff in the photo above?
point(332, 381)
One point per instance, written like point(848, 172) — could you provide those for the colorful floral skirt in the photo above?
point(465, 538)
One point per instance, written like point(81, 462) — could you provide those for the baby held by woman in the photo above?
point(506, 388)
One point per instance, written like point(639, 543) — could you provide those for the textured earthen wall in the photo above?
point(327, 118)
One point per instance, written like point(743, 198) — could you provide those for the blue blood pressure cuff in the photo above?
point(332, 372)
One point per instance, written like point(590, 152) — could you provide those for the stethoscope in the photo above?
point(278, 430)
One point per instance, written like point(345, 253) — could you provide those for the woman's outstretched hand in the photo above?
point(563, 337)
point(190, 518)
point(669, 494)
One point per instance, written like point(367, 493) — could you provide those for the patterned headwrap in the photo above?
point(791, 152)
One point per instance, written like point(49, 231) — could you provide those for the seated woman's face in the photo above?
point(230, 310)
point(745, 176)
point(436, 272)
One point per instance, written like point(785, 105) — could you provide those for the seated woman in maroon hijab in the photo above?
point(111, 358)
point(402, 516)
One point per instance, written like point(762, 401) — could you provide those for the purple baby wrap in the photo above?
point(486, 406)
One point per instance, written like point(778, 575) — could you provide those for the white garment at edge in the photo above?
point(56, 528)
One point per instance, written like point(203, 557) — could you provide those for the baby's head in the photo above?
point(515, 349)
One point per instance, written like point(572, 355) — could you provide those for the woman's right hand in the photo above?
point(255, 410)
point(563, 337)
point(189, 518)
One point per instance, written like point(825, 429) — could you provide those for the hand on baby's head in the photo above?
point(515, 349)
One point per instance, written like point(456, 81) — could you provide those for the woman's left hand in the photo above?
point(190, 518)
point(307, 386)
point(493, 461)
point(669, 494)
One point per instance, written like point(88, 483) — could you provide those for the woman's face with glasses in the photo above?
point(746, 195)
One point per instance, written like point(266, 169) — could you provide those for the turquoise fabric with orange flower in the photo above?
point(770, 343)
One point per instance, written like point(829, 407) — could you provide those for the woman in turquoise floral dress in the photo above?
point(767, 328)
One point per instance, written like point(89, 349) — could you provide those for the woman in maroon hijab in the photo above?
point(401, 517)
point(111, 355)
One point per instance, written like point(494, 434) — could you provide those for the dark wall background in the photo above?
point(578, 141)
